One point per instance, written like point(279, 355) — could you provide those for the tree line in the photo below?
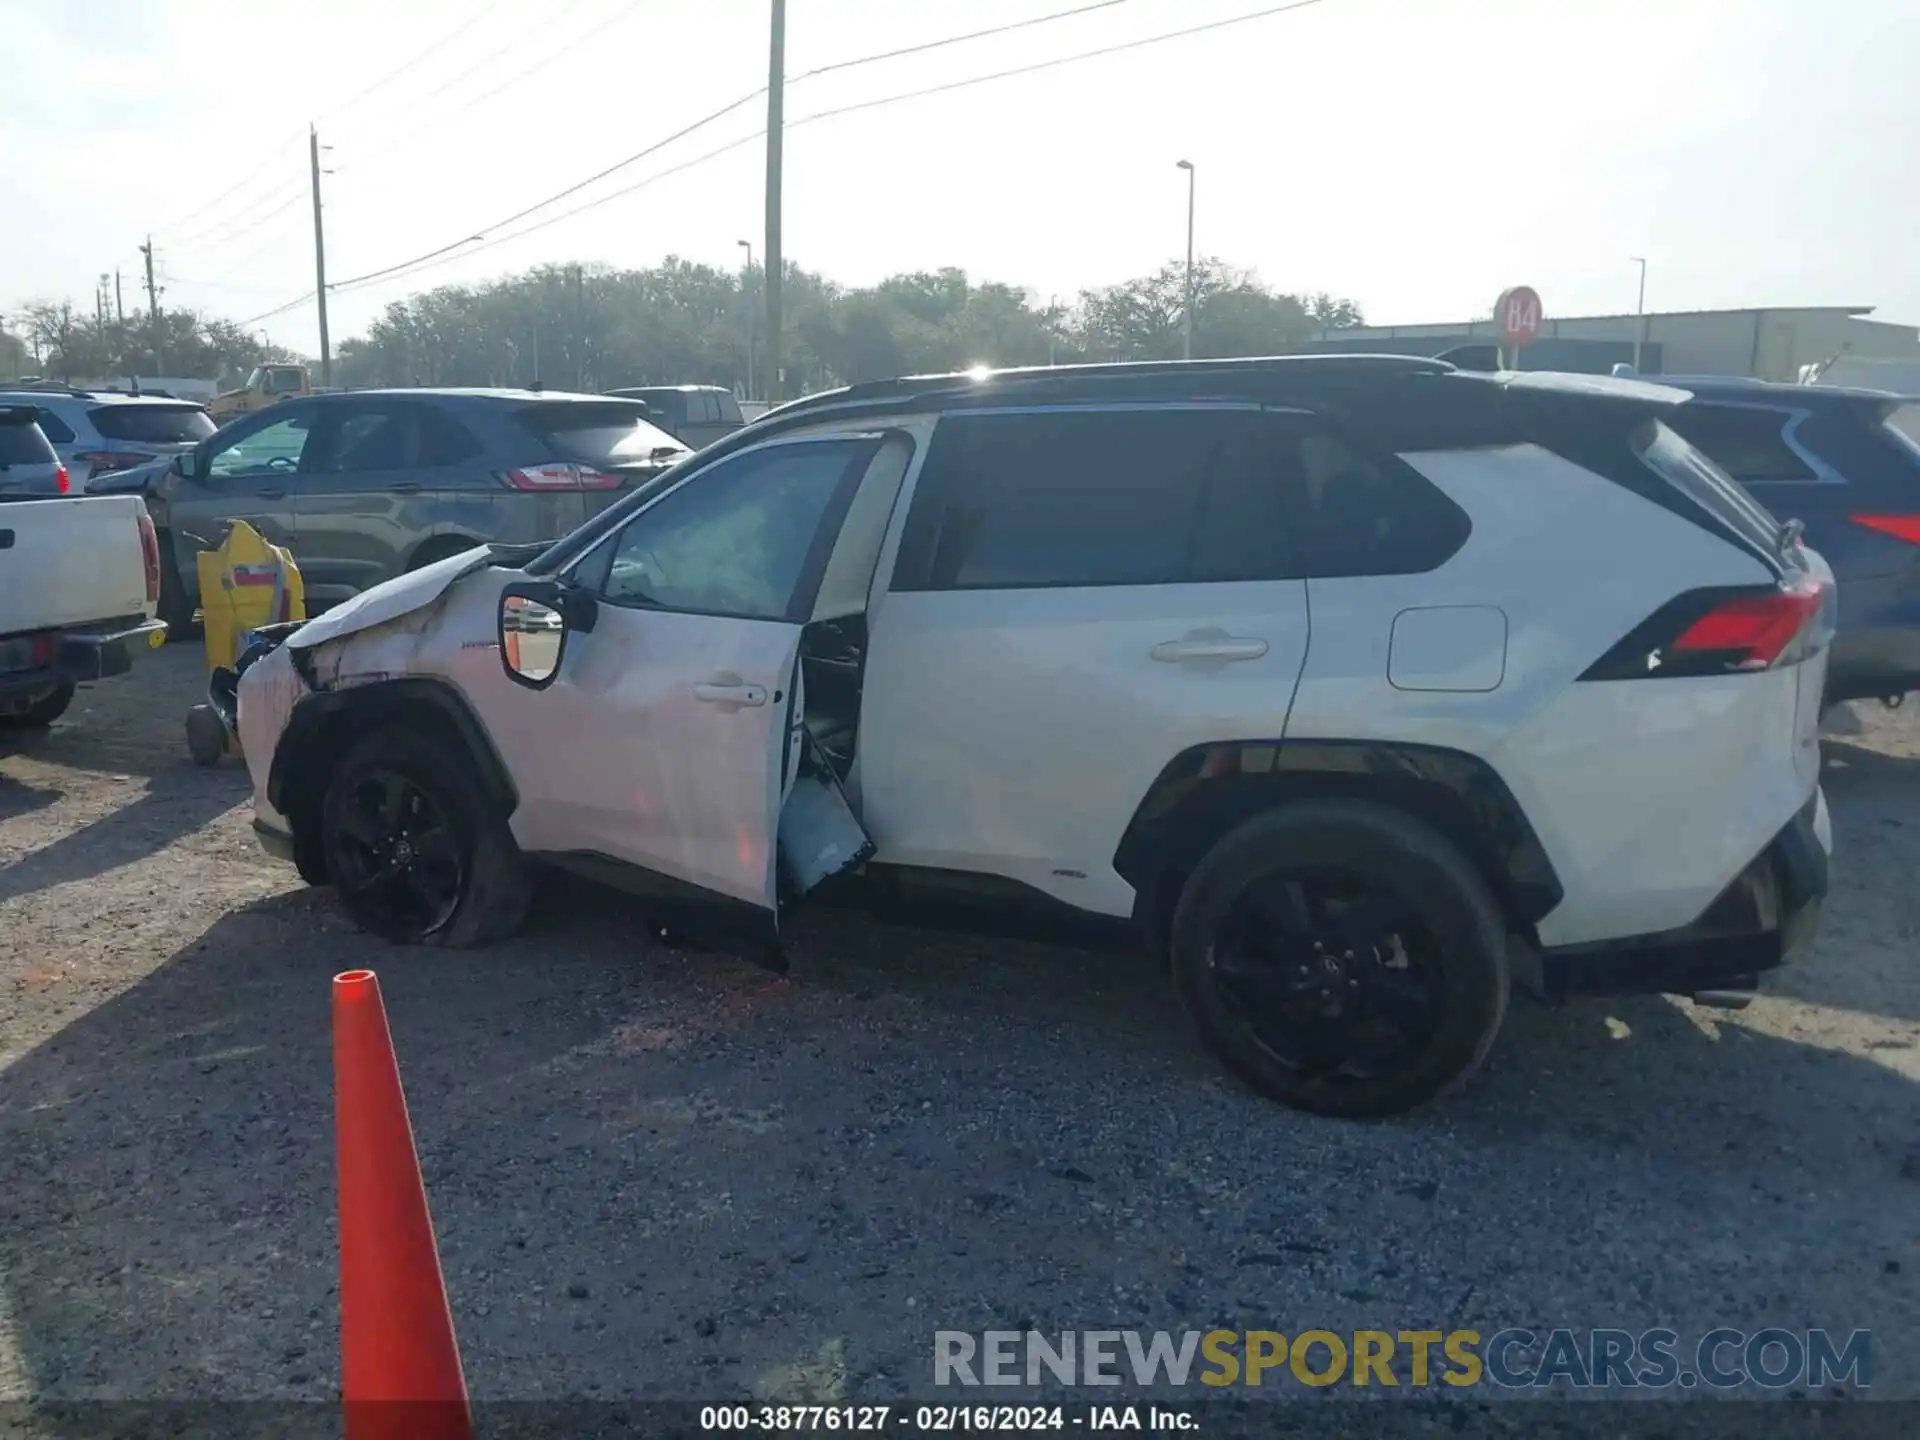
point(58, 341)
point(594, 327)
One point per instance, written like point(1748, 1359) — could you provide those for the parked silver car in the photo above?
point(29, 465)
point(98, 432)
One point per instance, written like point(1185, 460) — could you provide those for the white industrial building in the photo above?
point(1771, 344)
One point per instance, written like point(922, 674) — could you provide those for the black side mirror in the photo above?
point(536, 616)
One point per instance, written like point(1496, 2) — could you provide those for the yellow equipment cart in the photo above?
point(245, 583)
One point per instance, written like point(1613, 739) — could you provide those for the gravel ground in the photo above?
point(667, 1175)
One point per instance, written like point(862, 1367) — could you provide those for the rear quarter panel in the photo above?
point(1647, 795)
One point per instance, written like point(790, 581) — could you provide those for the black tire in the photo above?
point(452, 873)
point(43, 712)
point(1440, 982)
point(206, 735)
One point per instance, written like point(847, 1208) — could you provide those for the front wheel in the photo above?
point(415, 850)
point(1343, 958)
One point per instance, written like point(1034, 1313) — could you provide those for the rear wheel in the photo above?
point(415, 850)
point(42, 712)
point(1342, 958)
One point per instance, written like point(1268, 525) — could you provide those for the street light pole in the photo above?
point(1187, 333)
point(747, 245)
point(776, 132)
point(1640, 315)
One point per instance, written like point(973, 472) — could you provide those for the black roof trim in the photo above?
point(1093, 379)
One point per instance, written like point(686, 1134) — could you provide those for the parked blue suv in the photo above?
point(1846, 463)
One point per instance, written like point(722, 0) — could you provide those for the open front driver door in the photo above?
point(661, 744)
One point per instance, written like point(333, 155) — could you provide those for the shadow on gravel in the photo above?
point(1854, 770)
point(179, 799)
point(19, 798)
point(672, 1176)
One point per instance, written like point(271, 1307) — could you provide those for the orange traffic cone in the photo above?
point(399, 1362)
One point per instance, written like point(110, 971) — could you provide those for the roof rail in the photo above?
point(1278, 367)
point(43, 387)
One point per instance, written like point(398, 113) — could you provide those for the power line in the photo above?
point(728, 109)
point(390, 144)
point(545, 23)
point(277, 310)
point(1039, 65)
point(404, 66)
point(954, 40)
point(202, 246)
point(479, 243)
point(272, 159)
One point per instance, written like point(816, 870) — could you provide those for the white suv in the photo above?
point(1362, 687)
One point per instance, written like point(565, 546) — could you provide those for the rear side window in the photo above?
point(601, 433)
point(1359, 514)
point(1710, 488)
point(1063, 498)
point(729, 410)
point(152, 424)
point(1871, 446)
point(1749, 444)
point(398, 437)
point(1154, 497)
point(55, 429)
point(21, 443)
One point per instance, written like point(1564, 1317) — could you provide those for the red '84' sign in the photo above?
point(1517, 313)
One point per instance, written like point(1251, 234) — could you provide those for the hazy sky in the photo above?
point(1415, 155)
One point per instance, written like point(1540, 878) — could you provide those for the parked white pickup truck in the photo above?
point(79, 584)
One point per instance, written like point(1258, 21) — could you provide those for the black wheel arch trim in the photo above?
point(314, 716)
point(1207, 789)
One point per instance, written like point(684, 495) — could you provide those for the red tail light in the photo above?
point(1723, 632)
point(150, 556)
point(561, 476)
point(1900, 527)
point(1752, 634)
point(60, 480)
point(43, 649)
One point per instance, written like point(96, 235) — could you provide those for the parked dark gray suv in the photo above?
point(365, 485)
point(1845, 464)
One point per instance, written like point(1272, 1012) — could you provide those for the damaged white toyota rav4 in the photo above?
point(1363, 688)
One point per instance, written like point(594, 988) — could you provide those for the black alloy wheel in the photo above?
point(395, 855)
point(1331, 974)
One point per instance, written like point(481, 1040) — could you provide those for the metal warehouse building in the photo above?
point(1764, 344)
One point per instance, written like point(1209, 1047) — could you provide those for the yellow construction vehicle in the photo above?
point(267, 385)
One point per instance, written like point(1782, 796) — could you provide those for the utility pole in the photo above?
point(1640, 315)
point(771, 261)
point(153, 310)
point(119, 302)
point(320, 259)
point(579, 327)
point(1186, 329)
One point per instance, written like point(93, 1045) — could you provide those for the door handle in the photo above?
point(1209, 647)
point(404, 487)
point(718, 693)
point(273, 494)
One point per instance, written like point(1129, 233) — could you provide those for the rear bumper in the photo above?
point(1758, 922)
point(1877, 650)
point(90, 655)
point(102, 654)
